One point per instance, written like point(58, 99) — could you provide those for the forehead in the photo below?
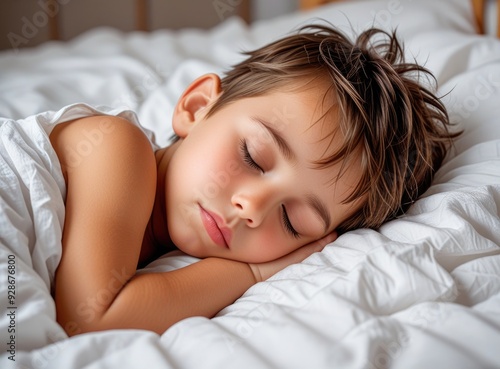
point(306, 113)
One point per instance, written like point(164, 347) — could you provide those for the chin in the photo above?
point(192, 251)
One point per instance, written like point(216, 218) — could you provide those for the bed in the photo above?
point(423, 291)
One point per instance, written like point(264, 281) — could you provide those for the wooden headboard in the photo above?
point(479, 8)
point(28, 23)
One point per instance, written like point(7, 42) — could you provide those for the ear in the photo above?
point(199, 94)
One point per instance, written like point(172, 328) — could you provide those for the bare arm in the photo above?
point(109, 201)
point(155, 301)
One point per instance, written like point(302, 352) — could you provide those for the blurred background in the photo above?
point(27, 23)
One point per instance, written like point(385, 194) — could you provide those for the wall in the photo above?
point(265, 9)
point(26, 23)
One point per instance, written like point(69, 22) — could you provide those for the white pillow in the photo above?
point(432, 31)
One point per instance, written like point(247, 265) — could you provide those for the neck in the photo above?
point(156, 238)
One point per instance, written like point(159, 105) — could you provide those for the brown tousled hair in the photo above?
point(399, 126)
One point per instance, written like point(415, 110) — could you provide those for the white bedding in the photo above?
point(423, 291)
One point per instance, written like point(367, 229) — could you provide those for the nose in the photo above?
point(252, 205)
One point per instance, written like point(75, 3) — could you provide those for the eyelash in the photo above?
point(247, 158)
point(288, 226)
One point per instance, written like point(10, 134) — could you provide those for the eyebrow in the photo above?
point(320, 209)
point(312, 200)
point(282, 144)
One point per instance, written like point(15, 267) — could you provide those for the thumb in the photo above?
point(318, 245)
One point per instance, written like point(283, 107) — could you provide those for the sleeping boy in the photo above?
point(310, 136)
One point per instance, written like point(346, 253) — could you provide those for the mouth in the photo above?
point(213, 224)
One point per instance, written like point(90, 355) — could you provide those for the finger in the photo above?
point(320, 244)
point(325, 240)
point(330, 237)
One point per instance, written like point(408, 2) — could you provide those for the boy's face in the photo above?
point(242, 183)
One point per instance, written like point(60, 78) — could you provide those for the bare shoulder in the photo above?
point(109, 167)
point(79, 141)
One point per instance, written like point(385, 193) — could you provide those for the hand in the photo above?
point(263, 271)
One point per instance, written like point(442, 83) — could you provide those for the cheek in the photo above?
point(267, 244)
point(211, 158)
point(199, 166)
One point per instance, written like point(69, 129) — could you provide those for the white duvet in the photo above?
point(423, 291)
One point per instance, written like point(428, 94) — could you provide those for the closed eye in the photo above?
point(247, 158)
point(288, 225)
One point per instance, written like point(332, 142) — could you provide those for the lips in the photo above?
point(214, 225)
